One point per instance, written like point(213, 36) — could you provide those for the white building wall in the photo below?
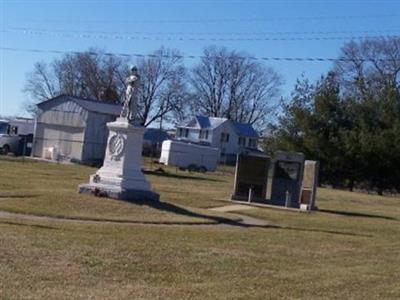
point(193, 135)
point(230, 147)
point(60, 125)
point(96, 135)
point(64, 113)
point(66, 140)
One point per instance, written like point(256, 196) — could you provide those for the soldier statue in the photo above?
point(129, 108)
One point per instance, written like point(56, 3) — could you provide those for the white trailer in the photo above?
point(189, 156)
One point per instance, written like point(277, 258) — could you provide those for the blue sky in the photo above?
point(184, 19)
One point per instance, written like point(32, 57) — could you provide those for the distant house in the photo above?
point(229, 136)
point(73, 128)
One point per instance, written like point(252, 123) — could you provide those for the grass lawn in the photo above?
point(50, 189)
point(350, 249)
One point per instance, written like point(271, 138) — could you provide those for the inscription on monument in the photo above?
point(116, 146)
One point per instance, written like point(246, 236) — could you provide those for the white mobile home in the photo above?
point(73, 128)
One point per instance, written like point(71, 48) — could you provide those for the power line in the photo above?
point(288, 59)
point(227, 20)
point(266, 33)
point(228, 39)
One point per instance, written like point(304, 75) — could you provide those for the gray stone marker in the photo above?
point(309, 185)
point(287, 179)
point(251, 176)
point(121, 176)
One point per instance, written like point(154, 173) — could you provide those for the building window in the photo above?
point(183, 132)
point(224, 137)
point(203, 134)
point(242, 141)
point(252, 143)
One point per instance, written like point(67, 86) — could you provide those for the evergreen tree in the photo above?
point(350, 120)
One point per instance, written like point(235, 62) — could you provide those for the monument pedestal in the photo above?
point(121, 176)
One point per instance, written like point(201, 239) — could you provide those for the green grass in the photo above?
point(348, 250)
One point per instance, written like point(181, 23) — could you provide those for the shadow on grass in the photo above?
point(163, 206)
point(168, 207)
point(211, 220)
point(27, 225)
point(326, 231)
point(19, 196)
point(356, 214)
point(179, 176)
point(171, 208)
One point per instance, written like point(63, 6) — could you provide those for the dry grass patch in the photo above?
point(50, 189)
point(348, 250)
point(131, 261)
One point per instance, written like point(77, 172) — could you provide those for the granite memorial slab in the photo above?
point(287, 179)
point(251, 177)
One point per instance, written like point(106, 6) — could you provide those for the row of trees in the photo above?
point(350, 119)
point(223, 84)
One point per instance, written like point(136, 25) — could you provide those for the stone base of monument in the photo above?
point(127, 195)
point(121, 176)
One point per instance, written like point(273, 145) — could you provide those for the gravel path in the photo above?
point(233, 207)
point(246, 221)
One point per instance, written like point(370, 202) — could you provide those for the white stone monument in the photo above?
point(121, 176)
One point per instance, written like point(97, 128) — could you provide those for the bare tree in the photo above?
point(365, 66)
point(163, 89)
point(98, 76)
point(40, 84)
point(253, 88)
point(209, 80)
point(232, 85)
point(91, 74)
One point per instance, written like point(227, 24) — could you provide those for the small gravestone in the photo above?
point(287, 179)
point(309, 185)
point(251, 176)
